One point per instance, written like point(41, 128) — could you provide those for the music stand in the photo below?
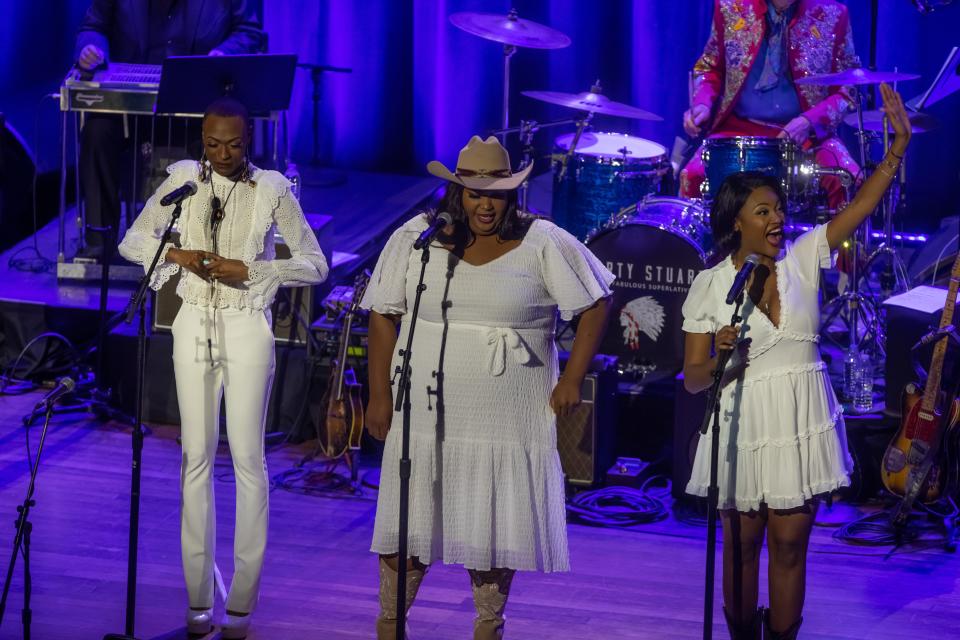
point(262, 82)
point(946, 82)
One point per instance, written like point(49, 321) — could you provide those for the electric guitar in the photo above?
point(922, 454)
point(341, 426)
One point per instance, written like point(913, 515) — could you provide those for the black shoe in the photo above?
point(89, 253)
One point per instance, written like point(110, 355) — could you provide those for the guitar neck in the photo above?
point(932, 388)
point(342, 352)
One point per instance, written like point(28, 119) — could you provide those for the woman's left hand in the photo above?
point(899, 120)
point(226, 270)
point(565, 398)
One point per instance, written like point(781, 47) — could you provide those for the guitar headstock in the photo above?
point(359, 288)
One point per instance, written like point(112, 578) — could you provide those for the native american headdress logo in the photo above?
point(641, 315)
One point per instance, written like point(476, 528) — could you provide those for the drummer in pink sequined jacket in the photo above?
point(817, 39)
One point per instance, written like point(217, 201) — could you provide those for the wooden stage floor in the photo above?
point(320, 580)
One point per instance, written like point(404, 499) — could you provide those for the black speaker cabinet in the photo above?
point(908, 318)
point(286, 326)
point(585, 437)
point(687, 416)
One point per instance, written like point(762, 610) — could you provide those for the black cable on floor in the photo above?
point(616, 507)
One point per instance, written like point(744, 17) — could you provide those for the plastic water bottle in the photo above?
point(852, 374)
point(293, 175)
point(863, 399)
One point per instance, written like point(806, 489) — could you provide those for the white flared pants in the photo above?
point(238, 362)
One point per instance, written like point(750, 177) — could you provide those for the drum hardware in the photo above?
point(526, 131)
point(513, 32)
point(565, 158)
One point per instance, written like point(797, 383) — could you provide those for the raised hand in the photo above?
point(899, 120)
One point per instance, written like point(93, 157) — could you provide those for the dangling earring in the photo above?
point(245, 171)
point(204, 167)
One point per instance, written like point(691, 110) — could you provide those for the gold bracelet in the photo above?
point(885, 171)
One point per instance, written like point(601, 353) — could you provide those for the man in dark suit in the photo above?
point(146, 32)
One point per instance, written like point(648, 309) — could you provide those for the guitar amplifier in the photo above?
point(585, 437)
point(290, 303)
point(687, 418)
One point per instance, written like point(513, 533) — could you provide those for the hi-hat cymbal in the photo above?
point(592, 101)
point(873, 121)
point(510, 29)
point(856, 76)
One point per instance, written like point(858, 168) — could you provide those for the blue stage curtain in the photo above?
point(420, 87)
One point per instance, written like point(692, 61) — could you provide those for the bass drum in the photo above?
point(655, 255)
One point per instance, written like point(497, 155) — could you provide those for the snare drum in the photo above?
point(655, 255)
point(607, 173)
point(776, 157)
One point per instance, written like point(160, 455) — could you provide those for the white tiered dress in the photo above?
point(782, 438)
point(486, 488)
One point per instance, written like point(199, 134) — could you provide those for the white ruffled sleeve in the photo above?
point(387, 292)
point(306, 264)
point(142, 239)
point(810, 253)
point(574, 277)
point(700, 307)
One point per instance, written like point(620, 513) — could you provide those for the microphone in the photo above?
point(742, 276)
point(177, 195)
point(64, 386)
point(443, 219)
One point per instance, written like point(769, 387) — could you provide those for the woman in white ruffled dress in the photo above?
point(486, 489)
point(782, 437)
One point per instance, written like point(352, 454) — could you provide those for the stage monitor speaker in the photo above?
point(286, 327)
point(906, 323)
point(585, 437)
point(687, 417)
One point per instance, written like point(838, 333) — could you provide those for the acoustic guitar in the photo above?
point(922, 455)
point(341, 425)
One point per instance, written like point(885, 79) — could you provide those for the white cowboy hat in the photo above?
point(483, 165)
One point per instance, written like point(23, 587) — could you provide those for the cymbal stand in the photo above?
point(893, 278)
point(527, 129)
point(508, 51)
point(565, 158)
point(858, 305)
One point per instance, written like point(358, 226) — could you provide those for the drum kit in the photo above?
point(611, 190)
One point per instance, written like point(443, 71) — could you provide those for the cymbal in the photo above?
point(510, 29)
point(592, 101)
point(873, 121)
point(856, 76)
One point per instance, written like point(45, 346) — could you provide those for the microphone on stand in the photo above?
point(179, 194)
point(64, 386)
point(742, 276)
point(443, 219)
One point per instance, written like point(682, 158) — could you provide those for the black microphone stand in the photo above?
point(136, 304)
point(21, 541)
point(403, 402)
point(713, 492)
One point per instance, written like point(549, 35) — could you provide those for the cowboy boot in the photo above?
point(750, 630)
point(387, 619)
point(490, 591)
point(789, 634)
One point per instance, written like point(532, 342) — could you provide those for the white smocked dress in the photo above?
point(486, 488)
point(782, 438)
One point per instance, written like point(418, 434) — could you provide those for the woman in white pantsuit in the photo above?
point(223, 342)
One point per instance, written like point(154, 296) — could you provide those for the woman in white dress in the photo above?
point(223, 341)
point(486, 489)
point(782, 437)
